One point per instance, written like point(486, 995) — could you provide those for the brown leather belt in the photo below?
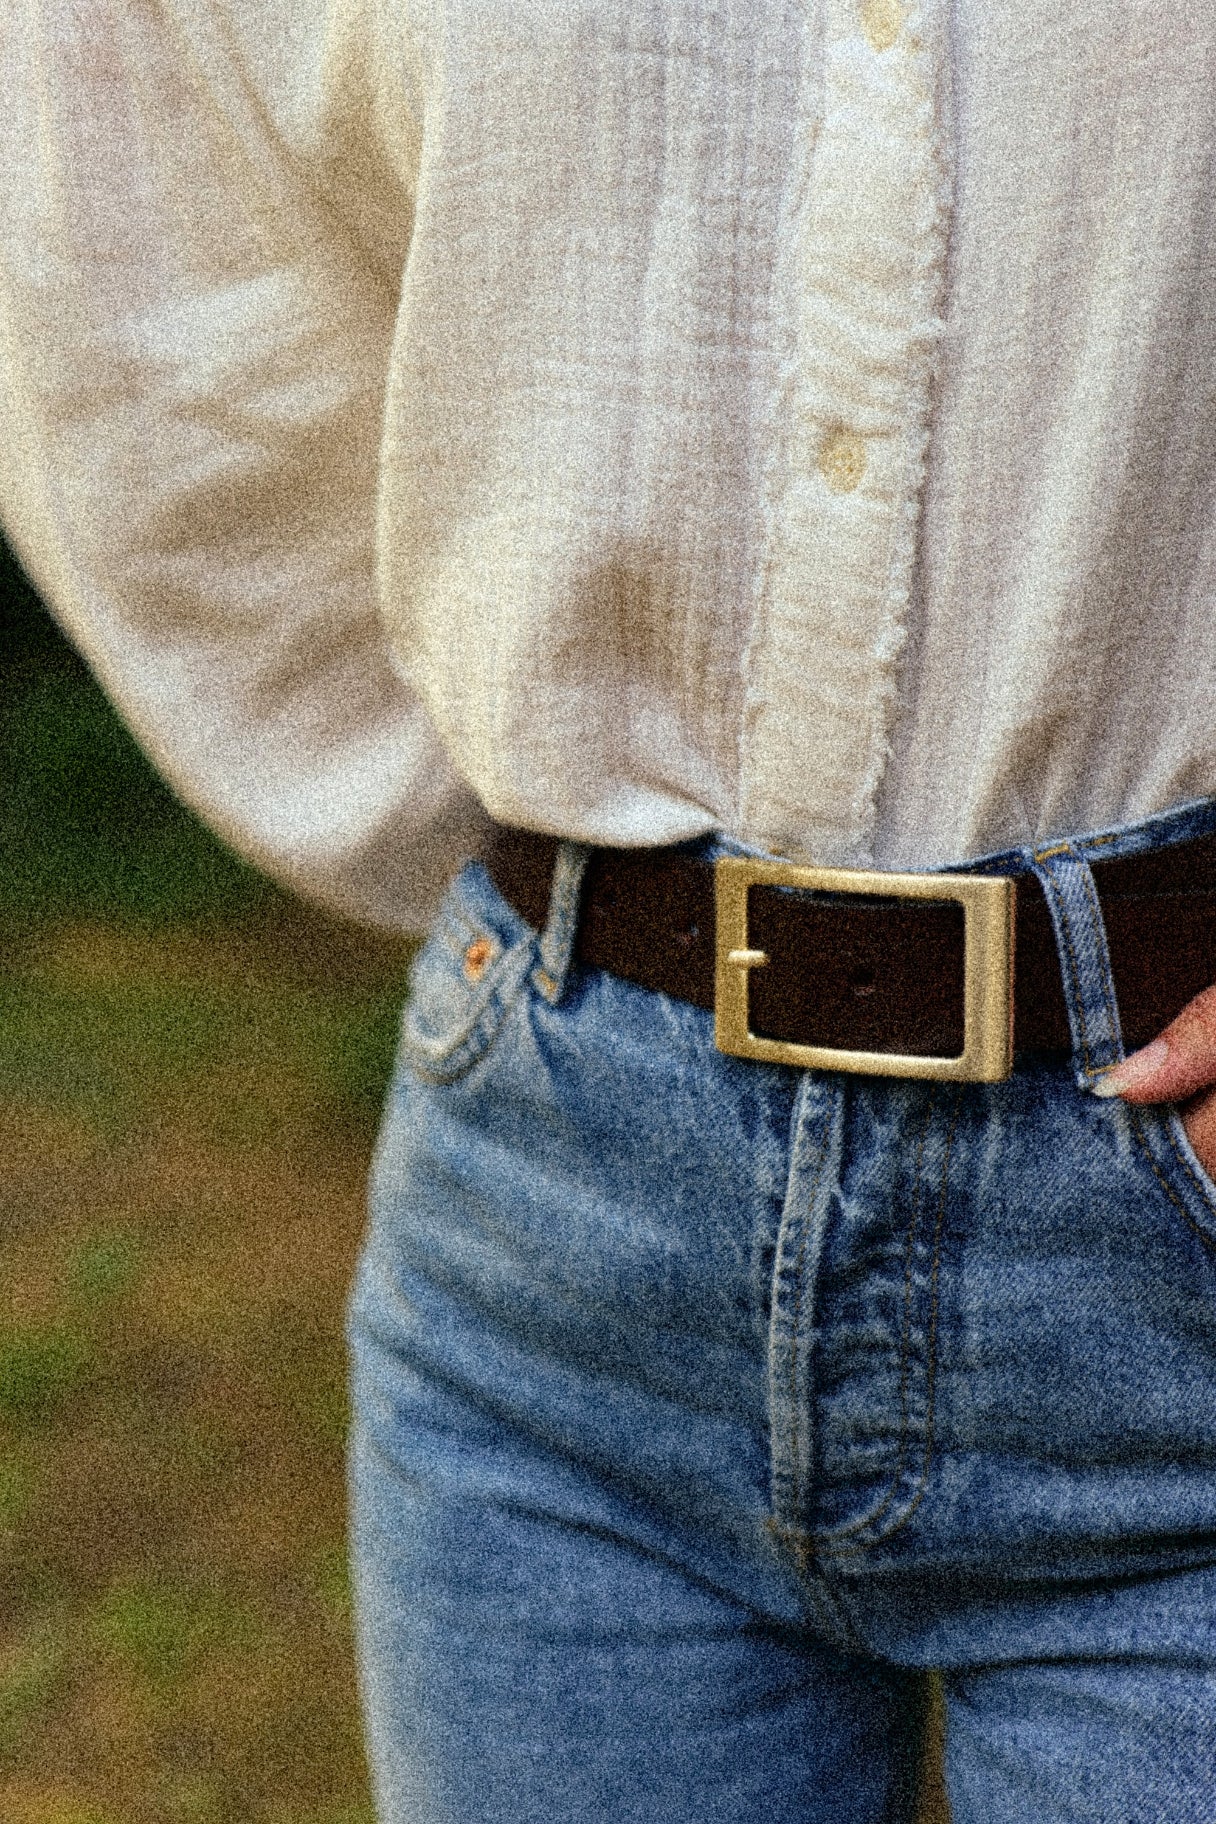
point(866, 974)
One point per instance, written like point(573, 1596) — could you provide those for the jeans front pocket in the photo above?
point(465, 980)
point(1166, 1150)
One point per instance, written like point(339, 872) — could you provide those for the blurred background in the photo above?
point(191, 1068)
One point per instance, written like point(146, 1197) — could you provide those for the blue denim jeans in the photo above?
point(700, 1405)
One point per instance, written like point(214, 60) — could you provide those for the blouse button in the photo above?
point(842, 460)
point(882, 22)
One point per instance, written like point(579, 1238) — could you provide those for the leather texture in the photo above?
point(870, 974)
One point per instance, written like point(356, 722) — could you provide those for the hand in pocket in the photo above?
point(1178, 1066)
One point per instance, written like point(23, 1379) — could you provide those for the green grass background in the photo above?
point(191, 1067)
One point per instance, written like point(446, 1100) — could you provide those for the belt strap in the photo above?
point(877, 974)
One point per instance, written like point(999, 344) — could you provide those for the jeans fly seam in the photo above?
point(799, 1295)
point(832, 1600)
point(918, 1494)
point(876, 1513)
point(802, 1550)
point(934, 1311)
point(1137, 1126)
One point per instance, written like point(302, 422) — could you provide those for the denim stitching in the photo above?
point(1069, 848)
point(1099, 926)
point(555, 950)
point(876, 1513)
point(802, 1550)
point(489, 1004)
point(832, 1600)
point(800, 1472)
point(1065, 920)
point(934, 1308)
point(1060, 902)
point(1137, 1127)
point(1200, 1187)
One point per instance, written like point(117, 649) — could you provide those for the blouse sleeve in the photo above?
point(203, 226)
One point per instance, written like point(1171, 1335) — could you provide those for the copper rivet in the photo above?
point(476, 957)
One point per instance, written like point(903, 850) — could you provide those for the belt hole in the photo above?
point(862, 982)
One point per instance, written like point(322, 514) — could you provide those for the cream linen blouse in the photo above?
point(636, 417)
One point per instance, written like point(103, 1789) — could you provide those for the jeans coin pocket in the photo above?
point(465, 980)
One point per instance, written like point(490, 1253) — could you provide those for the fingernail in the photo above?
point(1133, 1071)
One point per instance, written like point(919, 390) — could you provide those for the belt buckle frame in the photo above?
point(988, 903)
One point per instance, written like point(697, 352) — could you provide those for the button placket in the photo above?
point(865, 283)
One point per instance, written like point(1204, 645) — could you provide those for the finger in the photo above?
point(1176, 1064)
point(1199, 1120)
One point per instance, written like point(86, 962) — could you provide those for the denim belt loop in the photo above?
point(1089, 988)
point(561, 927)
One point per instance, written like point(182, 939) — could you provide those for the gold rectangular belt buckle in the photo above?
point(988, 913)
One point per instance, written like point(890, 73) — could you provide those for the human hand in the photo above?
point(1177, 1066)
